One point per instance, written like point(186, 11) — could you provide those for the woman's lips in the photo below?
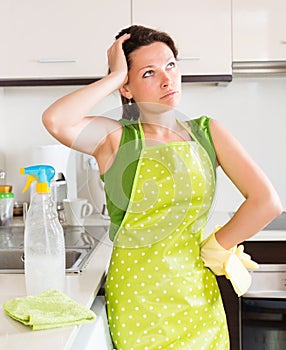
point(168, 95)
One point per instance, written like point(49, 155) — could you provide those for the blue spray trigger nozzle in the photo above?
point(43, 174)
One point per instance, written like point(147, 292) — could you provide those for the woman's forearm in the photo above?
point(70, 109)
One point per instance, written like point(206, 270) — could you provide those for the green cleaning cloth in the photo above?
point(49, 309)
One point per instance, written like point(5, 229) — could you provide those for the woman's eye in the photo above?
point(171, 64)
point(148, 74)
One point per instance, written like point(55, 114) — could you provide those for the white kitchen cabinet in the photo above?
point(259, 30)
point(201, 30)
point(58, 38)
point(95, 335)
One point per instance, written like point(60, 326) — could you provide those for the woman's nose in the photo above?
point(165, 80)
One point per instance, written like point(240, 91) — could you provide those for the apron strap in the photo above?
point(201, 130)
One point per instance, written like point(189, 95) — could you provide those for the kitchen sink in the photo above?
point(12, 260)
point(80, 243)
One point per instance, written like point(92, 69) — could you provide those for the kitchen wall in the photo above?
point(252, 108)
point(254, 111)
point(2, 120)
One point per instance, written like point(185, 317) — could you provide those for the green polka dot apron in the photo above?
point(159, 295)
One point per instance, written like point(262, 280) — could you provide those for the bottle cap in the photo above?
point(5, 188)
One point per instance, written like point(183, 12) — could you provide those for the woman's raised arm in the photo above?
point(67, 120)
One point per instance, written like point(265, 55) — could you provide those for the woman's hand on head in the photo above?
point(116, 58)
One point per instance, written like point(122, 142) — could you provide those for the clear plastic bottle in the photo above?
point(44, 247)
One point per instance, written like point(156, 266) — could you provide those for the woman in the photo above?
point(159, 176)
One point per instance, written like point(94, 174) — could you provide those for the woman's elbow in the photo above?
point(267, 204)
point(274, 206)
point(48, 120)
point(46, 117)
point(277, 208)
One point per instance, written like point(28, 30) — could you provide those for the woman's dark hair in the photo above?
point(140, 36)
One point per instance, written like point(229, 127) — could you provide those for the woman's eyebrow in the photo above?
point(152, 65)
point(145, 67)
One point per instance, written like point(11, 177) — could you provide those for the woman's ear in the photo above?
point(125, 91)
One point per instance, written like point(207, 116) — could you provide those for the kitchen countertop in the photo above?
point(82, 287)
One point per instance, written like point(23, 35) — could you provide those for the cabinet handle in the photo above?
point(57, 60)
point(188, 58)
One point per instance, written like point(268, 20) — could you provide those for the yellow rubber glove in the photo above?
point(232, 263)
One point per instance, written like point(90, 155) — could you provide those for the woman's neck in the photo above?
point(164, 127)
point(155, 122)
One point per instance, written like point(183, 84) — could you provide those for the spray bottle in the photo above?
point(44, 247)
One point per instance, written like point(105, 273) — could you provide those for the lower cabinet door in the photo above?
point(95, 335)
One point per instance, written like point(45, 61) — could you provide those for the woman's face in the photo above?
point(154, 77)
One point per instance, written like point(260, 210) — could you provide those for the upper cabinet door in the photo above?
point(58, 38)
point(201, 30)
point(259, 30)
